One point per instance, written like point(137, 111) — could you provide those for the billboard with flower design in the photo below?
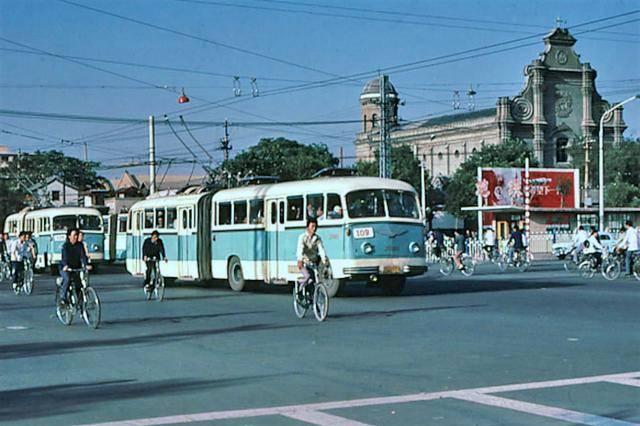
point(551, 188)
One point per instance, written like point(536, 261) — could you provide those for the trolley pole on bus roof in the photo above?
point(152, 156)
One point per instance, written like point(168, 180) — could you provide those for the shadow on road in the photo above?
point(178, 319)
point(36, 349)
point(392, 312)
point(45, 401)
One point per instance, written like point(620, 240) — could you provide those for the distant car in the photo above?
point(561, 250)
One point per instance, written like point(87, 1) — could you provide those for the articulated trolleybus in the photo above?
point(372, 230)
point(49, 227)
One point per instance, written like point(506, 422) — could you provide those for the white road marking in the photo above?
point(322, 419)
point(541, 410)
point(365, 402)
point(625, 381)
point(16, 327)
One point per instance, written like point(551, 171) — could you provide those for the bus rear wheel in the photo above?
point(235, 275)
point(393, 286)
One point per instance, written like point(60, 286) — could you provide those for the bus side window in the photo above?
point(295, 208)
point(334, 206)
point(224, 214)
point(160, 214)
point(172, 217)
point(122, 224)
point(256, 212)
point(315, 206)
point(191, 221)
point(239, 212)
point(148, 219)
point(281, 211)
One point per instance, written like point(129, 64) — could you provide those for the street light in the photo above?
point(601, 160)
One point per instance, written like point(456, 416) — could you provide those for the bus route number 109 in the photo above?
point(361, 233)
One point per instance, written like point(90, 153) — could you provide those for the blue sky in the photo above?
point(320, 43)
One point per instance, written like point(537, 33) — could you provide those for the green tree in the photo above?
point(461, 188)
point(404, 166)
point(288, 159)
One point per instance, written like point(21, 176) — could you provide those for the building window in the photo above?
point(55, 195)
point(562, 156)
point(364, 122)
point(457, 154)
point(439, 156)
point(374, 120)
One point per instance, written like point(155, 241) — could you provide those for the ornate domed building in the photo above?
point(558, 106)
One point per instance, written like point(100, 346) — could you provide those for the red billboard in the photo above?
point(550, 188)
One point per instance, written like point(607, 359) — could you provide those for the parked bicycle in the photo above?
point(156, 282)
point(314, 294)
point(447, 265)
point(81, 298)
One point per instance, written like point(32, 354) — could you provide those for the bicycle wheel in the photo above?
point(636, 269)
point(299, 304)
point(159, 288)
point(27, 287)
point(446, 266)
point(65, 313)
point(610, 269)
point(468, 266)
point(585, 270)
point(148, 292)
point(320, 302)
point(569, 265)
point(502, 262)
point(522, 265)
point(91, 307)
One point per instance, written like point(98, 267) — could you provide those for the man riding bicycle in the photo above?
point(73, 257)
point(152, 250)
point(460, 247)
point(18, 251)
point(490, 242)
point(593, 247)
point(4, 247)
point(310, 252)
point(516, 242)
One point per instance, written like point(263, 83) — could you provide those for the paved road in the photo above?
point(441, 350)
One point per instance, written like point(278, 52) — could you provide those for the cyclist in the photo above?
point(516, 242)
point(459, 242)
point(310, 252)
point(32, 247)
point(153, 247)
point(579, 238)
point(594, 248)
point(73, 257)
point(490, 242)
point(86, 248)
point(438, 237)
point(4, 247)
point(18, 251)
point(632, 245)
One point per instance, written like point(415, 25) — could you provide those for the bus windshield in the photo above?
point(89, 222)
point(367, 203)
point(62, 223)
point(401, 204)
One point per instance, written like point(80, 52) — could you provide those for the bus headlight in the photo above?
point(95, 247)
point(367, 248)
point(414, 248)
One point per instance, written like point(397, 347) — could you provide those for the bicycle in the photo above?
point(26, 285)
point(589, 267)
point(156, 282)
point(313, 295)
point(520, 261)
point(5, 271)
point(447, 265)
point(495, 257)
point(611, 267)
point(571, 261)
point(83, 299)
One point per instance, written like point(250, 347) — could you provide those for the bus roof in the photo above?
point(340, 185)
point(169, 201)
point(61, 211)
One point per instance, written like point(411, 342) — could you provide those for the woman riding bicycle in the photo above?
point(310, 252)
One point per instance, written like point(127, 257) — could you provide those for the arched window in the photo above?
point(364, 123)
point(457, 154)
point(374, 120)
point(439, 156)
point(562, 145)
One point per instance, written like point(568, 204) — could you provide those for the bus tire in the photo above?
point(334, 287)
point(169, 282)
point(393, 286)
point(235, 275)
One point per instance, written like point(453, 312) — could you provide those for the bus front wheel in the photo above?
point(235, 275)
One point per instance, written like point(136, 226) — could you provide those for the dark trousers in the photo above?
point(147, 273)
point(67, 277)
point(18, 272)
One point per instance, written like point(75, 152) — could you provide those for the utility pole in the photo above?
point(86, 152)
point(224, 142)
point(152, 155)
point(384, 169)
point(341, 157)
point(587, 162)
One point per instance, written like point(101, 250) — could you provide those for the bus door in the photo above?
point(275, 271)
point(137, 240)
point(186, 259)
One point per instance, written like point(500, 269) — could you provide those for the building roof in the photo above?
point(50, 180)
point(452, 118)
point(373, 88)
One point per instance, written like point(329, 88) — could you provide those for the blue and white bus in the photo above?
point(183, 222)
point(49, 227)
point(372, 230)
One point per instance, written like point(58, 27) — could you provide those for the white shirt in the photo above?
point(310, 248)
point(15, 250)
point(594, 246)
point(631, 239)
point(489, 238)
point(580, 237)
